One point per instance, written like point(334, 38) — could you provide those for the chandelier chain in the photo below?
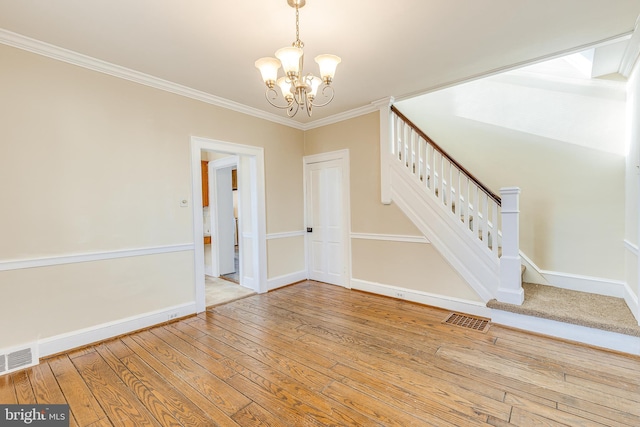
point(298, 43)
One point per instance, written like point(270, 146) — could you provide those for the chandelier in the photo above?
point(298, 90)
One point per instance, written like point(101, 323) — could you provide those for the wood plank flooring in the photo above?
point(314, 355)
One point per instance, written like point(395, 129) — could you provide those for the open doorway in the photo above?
point(220, 215)
point(221, 240)
point(248, 162)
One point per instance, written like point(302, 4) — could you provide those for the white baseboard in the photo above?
point(574, 282)
point(592, 285)
point(286, 279)
point(82, 337)
point(441, 301)
point(582, 334)
point(632, 301)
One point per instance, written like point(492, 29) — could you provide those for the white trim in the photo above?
point(92, 256)
point(225, 162)
point(386, 146)
point(631, 53)
point(589, 284)
point(582, 334)
point(326, 157)
point(86, 336)
point(532, 272)
point(442, 301)
point(631, 247)
point(65, 55)
point(390, 237)
point(286, 279)
point(346, 115)
point(285, 235)
point(256, 155)
point(575, 282)
point(632, 301)
point(45, 49)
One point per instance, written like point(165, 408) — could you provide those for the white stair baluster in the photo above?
point(485, 218)
point(432, 171)
point(467, 212)
point(495, 241)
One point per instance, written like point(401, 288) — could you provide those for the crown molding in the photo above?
point(356, 112)
point(51, 51)
point(631, 53)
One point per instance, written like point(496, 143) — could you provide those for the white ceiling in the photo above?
point(388, 48)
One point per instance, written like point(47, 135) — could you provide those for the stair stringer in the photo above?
point(477, 266)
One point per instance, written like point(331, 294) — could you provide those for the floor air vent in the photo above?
point(479, 324)
point(15, 359)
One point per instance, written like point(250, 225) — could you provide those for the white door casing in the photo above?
point(251, 161)
point(328, 248)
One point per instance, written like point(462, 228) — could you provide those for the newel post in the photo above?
point(386, 147)
point(510, 289)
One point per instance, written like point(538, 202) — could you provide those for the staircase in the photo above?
point(477, 232)
point(473, 228)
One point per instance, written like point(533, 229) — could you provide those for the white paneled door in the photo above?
point(327, 227)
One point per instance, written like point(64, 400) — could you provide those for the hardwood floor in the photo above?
point(314, 354)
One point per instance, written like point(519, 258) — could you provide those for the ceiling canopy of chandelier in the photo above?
point(299, 90)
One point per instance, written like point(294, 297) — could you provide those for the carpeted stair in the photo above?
point(578, 308)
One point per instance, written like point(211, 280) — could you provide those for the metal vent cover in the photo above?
point(479, 324)
point(18, 358)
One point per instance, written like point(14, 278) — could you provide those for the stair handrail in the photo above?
point(439, 149)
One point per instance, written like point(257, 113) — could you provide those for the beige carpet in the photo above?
point(220, 291)
point(578, 308)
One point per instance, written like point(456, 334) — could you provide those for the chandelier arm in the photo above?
point(332, 94)
point(293, 109)
point(275, 96)
point(309, 106)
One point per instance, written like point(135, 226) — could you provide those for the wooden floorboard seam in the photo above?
point(313, 354)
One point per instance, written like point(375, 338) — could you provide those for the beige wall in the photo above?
point(43, 302)
point(362, 137)
point(416, 266)
point(282, 260)
point(93, 163)
point(411, 265)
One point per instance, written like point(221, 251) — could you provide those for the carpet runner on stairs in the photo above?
point(578, 308)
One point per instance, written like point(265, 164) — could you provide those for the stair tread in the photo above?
point(578, 308)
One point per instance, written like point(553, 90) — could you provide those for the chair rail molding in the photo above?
point(92, 256)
